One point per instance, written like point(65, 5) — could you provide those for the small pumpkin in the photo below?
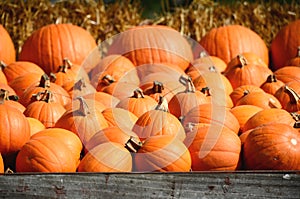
point(272, 84)
point(241, 91)
point(289, 96)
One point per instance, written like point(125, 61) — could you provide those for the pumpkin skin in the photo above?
point(273, 115)
point(35, 125)
point(11, 100)
point(244, 112)
point(285, 44)
point(241, 91)
point(162, 153)
point(14, 129)
point(213, 151)
point(49, 45)
point(7, 48)
point(19, 68)
point(294, 61)
point(288, 96)
point(1, 164)
point(38, 155)
point(119, 117)
point(150, 44)
point(3, 79)
point(226, 42)
point(100, 159)
point(21, 83)
point(106, 99)
point(272, 84)
point(69, 139)
point(287, 74)
point(272, 147)
point(211, 114)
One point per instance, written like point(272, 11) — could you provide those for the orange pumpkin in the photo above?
point(51, 44)
point(100, 159)
point(241, 91)
point(1, 164)
point(287, 74)
point(213, 147)
point(272, 147)
point(239, 39)
point(272, 84)
point(38, 155)
point(285, 44)
point(7, 48)
point(3, 78)
point(12, 100)
point(106, 99)
point(150, 44)
point(289, 96)
point(79, 88)
point(14, 128)
point(156, 89)
point(119, 117)
point(21, 83)
point(296, 60)
point(163, 153)
point(35, 125)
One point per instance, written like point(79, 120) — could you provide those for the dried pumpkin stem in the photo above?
point(294, 97)
point(162, 104)
point(133, 145)
point(187, 81)
point(83, 106)
point(67, 64)
point(138, 93)
point(206, 91)
point(158, 87)
point(298, 51)
point(45, 81)
point(2, 65)
point(80, 84)
point(107, 80)
point(5, 95)
point(271, 78)
point(242, 60)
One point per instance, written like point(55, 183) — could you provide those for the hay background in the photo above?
point(21, 18)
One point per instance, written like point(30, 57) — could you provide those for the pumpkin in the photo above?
point(241, 91)
point(51, 44)
point(59, 94)
point(106, 99)
point(3, 78)
point(1, 164)
point(21, 83)
point(19, 68)
point(246, 73)
point(79, 88)
point(272, 84)
point(138, 103)
point(119, 117)
point(156, 89)
point(289, 96)
point(91, 103)
point(260, 99)
point(84, 120)
point(100, 159)
point(158, 122)
point(11, 100)
point(272, 147)
point(226, 42)
point(116, 66)
point(45, 154)
point(35, 125)
point(288, 73)
point(7, 48)
point(69, 139)
point(294, 61)
point(163, 153)
point(243, 113)
point(213, 148)
point(151, 44)
point(68, 73)
point(181, 103)
point(45, 109)
point(211, 114)
point(14, 128)
point(284, 44)
point(110, 134)
point(272, 115)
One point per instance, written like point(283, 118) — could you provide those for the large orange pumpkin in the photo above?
point(45, 154)
point(213, 147)
point(49, 45)
point(153, 44)
point(226, 42)
point(7, 48)
point(285, 44)
point(272, 147)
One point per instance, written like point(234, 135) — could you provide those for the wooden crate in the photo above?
point(275, 184)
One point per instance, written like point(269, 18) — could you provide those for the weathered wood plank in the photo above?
point(152, 185)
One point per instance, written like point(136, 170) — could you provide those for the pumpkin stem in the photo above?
point(271, 78)
point(2, 65)
point(246, 92)
point(296, 116)
point(138, 93)
point(83, 107)
point(45, 81)
point(202, 54)
point(242, 60)
point(52, 77)
point(212, 69)
point(133, 145)
point(294, 97)
point(67, 64)
point(80, 84)
point(297, 124)
point(5, 95)
point(206, 91)
point(162, 104)
point(187, 81)
point(158, 87)
point(298, 51)
point(45, 96)
point(107, 80)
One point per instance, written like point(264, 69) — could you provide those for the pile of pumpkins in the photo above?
point(150, 101)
